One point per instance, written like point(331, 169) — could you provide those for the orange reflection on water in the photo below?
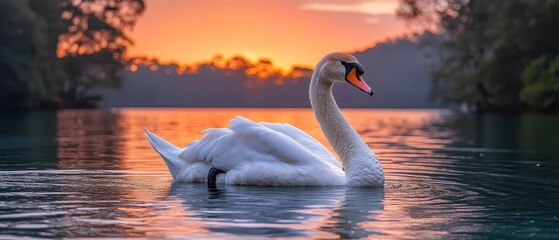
point(88, 140)
point(115, 139)
point(181, 126)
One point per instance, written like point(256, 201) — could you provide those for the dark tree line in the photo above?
point(498, 55)
point(53, 52)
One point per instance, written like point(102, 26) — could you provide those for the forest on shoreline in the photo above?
point(494, 56)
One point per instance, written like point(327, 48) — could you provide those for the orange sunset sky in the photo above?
point(286, 31)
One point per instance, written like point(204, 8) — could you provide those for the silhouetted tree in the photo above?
point(487, 46)
point(55, 51)
point(92, 45)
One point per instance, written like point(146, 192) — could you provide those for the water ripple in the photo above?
point(448, 176)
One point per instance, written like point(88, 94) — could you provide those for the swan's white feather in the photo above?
point(254, 154)
point(305, 140)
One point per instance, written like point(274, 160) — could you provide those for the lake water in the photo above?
point(92, 173)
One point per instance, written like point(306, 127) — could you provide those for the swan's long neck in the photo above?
point(360, 163)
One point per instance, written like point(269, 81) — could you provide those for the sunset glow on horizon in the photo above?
point(292, 32)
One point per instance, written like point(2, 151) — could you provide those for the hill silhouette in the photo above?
point(398, 72)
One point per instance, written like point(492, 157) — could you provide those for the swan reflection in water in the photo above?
point(282, 211)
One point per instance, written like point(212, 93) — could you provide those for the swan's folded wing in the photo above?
point(305, 140)
point(247, 142)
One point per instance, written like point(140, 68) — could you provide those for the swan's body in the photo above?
point(279, 154)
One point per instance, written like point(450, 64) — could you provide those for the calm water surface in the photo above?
point(93, 174)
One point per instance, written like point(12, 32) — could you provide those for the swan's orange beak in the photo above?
point(354, 78)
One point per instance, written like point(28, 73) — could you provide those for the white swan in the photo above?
point(274, 154)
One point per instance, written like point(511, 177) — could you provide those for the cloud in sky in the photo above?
point(366, 7)
point(372, 20)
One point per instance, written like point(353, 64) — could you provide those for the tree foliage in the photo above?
point(21, 43)
point(92, 45)
point(541, 83)
point(53, 52)
point(491, 49)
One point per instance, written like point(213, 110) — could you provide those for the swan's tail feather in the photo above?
point(169, 152)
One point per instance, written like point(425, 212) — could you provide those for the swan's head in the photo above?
point(342, 67)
